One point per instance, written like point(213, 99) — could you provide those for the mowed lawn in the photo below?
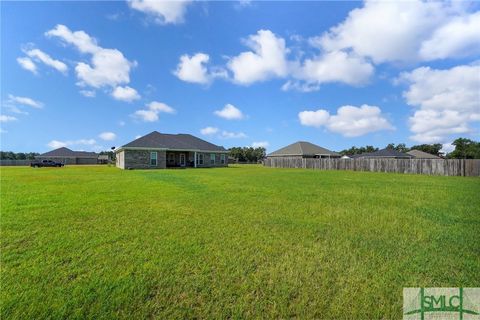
point(237, 242)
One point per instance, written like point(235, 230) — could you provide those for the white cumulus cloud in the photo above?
point(387, 31)
point(160, 107)
point(41, 56)
point(350, 121)
point(163, 12)
point(222, 134)
point(336, 66)
point(266, 61)
point(88, 93)
point(193, 69)
point(107, 136)
point(146, 115)
point(26, 101)
point(54, 144)
point(151, 113)
point(232, 135)
point(108, 67)
point(458, 38)
point(447, 101)
point(126, 93)
point(209, 131)
point(260, 144)
point(316, 118)
point(27, 64)
point(230, 112)
point(5, 118)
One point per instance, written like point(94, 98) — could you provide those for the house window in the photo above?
point(153, 158)
point(171, 158)
point(199, 158)
point(222, 158)
point(212, 158)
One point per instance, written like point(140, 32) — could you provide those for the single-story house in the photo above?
point(384, 153)
point(417, 154)
point(160, 150)
point(67, 156)
point(303, 149)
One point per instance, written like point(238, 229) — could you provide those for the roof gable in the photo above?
point(180, 141)
point(302, 148)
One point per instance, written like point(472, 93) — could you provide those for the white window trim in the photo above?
point(222, 158)
point(200, 158)
point(156, 158)
point(212, 154)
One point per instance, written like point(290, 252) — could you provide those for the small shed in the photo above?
point(303, 149)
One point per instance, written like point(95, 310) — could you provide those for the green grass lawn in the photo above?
point(238, 242)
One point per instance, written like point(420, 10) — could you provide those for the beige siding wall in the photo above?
point(140, 159)
point(120, 160)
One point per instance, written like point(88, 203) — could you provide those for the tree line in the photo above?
point(464, 149)
point(247, 154)
point(9, 155)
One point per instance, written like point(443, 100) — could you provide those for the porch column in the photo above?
point(195, 159)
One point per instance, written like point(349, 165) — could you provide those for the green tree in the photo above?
point(428, 148)
point(247, 154)
point(401, 147)
point(465, 149)
point(354, 150)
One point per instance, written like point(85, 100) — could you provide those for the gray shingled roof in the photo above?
point(67, 153)
point(180, 141)
point(418, 154)
point(384, 153)
point(302, 148)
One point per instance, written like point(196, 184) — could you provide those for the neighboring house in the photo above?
point(384, 153)
point(159, 151)
point(417, 154)
point(67, 156)
point(303, 149)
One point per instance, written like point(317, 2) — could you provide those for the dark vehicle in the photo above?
point(45, 163)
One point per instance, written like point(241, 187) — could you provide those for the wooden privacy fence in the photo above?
point(450, 167)
point(15, 162)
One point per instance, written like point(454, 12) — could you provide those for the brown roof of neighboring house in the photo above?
point(383, 153)
point(302, 148)
point(67, 153)
point(180, 141)
point(418, 154)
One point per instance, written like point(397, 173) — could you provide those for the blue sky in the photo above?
point(91, 75)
